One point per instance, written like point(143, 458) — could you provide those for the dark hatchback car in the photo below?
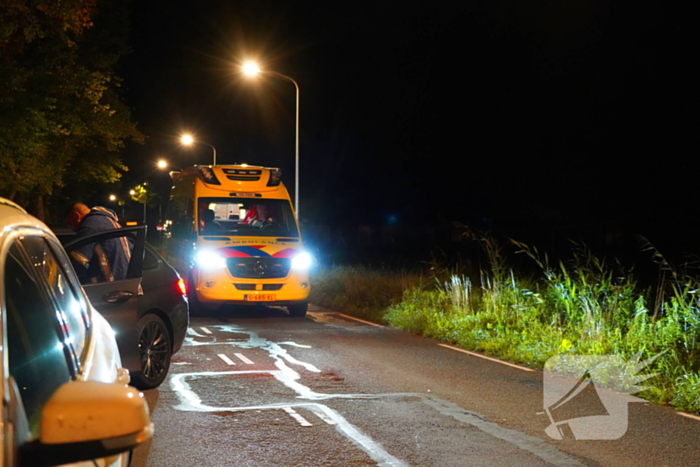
point(148, 340)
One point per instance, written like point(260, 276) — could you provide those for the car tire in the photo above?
point(298, 309)
point(155, 352)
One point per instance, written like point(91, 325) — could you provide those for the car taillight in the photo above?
point(182, 286)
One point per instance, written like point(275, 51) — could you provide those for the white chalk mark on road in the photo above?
point(190, 401)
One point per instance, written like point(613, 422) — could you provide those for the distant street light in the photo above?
point(113, 198)
point(188, 140)
point(140, 195)
point(163, 164)
point(252, 69)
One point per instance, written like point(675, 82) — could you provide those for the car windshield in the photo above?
point(246, 217)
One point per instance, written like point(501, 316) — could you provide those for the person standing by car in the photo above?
point(101, 261)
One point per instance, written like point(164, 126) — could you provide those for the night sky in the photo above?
point(496, 113)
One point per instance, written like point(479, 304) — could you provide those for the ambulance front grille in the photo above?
point(253, 268)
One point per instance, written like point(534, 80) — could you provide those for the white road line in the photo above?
point(688, 415)
point(226, 359)
point(360, 320)
point(292, 413)
point(324, 417)
point(474, 354)
point(244, 358)
point(205, 330)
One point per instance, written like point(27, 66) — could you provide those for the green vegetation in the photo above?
point(361, 291)
point(62, 119)
point(583, 306)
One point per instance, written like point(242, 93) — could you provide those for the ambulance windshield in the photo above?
point(246, 217)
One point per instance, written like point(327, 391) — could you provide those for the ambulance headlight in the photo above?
point(302, 261)
point(208, 259)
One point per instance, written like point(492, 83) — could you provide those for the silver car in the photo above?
point(65, 393)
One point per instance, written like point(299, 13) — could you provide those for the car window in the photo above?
point(35, 346)
point(105, 260)
point(150, 260)
point(72, 279)
point(71, 308)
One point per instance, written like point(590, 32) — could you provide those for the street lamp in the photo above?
point(140, 195)
point(163, 164)
point(252, 69)
point(113, 198)
point(188, 140)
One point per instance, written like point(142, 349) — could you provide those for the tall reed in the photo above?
point(585, 305)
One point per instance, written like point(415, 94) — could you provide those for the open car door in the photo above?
point(117, 300)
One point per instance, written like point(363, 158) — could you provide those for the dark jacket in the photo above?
point(102, 261)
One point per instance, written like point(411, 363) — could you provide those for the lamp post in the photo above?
point(188, 140)
point(113, 198)
point(163, 164)
point(140, 193)
point(252, 69)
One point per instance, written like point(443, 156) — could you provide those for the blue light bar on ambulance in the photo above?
point(242, 171)
point(275, 177)
point(250, 175)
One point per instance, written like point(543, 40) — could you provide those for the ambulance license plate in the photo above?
point(264, 297)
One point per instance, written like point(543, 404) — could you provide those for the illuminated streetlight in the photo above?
point(252, 69)
point(163, 164)
point(112, 198)
point(140, 194)
point(188, 140)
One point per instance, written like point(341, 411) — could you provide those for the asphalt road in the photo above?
point(258, 388)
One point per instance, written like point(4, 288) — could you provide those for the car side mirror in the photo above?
point(88, 420)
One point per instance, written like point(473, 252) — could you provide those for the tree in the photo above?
point(61, 116)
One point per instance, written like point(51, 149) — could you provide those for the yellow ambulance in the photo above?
point(231, 229)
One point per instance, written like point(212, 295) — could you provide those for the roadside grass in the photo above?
point(362, 291)
point(583, 306)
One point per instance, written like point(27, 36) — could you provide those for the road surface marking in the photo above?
point(189, 400)
point(226, 359)
point(319, 317)
point(360, 320)
point(292, 413)
point(193, 332)
point(205, 330)
point(689, 415)
point(324, 417)
point(244, 358)
point(486, 358)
